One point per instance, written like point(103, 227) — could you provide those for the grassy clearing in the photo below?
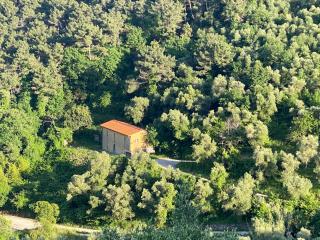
point(71, 235)
point(156, 156)
point(61, 235)
point(86, 139)
point(194, 168)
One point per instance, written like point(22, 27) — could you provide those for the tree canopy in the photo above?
point(231, 85)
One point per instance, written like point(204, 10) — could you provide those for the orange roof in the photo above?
point(121, 127)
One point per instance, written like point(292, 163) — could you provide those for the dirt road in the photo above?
point(167, 162)
point(20, 223)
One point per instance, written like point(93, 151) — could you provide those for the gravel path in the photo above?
point(20, 223)
point(167, 162)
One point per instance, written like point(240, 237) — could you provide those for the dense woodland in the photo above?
point(233, 85)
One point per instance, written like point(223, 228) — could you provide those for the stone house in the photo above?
point(123, 138)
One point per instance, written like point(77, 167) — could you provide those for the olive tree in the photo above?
point(136, 109)
point(239, 196)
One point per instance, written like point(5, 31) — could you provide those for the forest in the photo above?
point(232, 85)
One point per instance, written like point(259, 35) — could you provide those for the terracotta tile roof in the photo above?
point(121, 127)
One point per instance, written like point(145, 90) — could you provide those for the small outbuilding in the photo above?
point(123, 138)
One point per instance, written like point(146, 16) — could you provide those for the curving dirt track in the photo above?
point(167, 162)
point(20, 223)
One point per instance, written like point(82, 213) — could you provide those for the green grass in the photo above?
point(156, 156)
point(62, 234)
point(71, 235)
point(194, 168)
point(85, 139)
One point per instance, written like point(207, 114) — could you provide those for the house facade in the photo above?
point(123, 138)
